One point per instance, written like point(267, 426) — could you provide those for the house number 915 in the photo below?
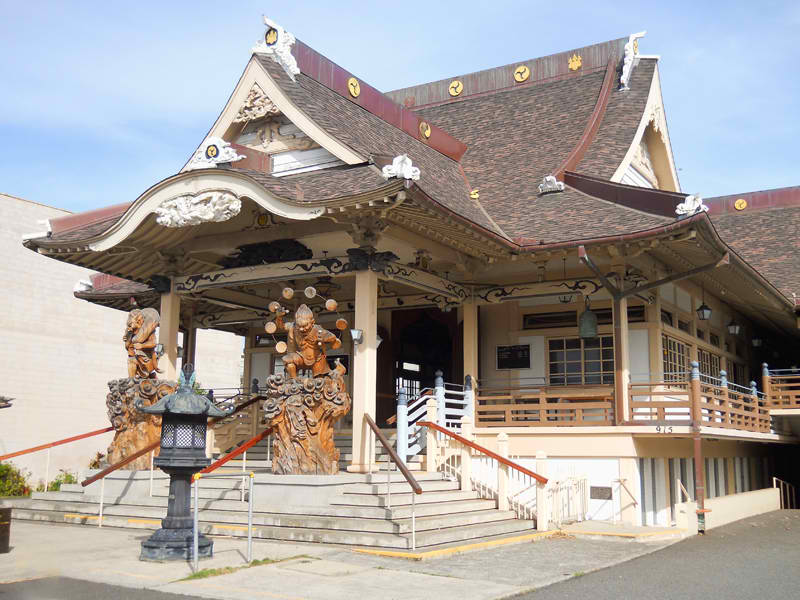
point(663, 429)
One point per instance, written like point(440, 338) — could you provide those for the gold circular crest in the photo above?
point(353, 87)
point(425, 130)
point(456, 87)
point(212, 151)
point(740, 204)
point(271, 37)
point(262, 220)
point(521, 73)
point(475, 194)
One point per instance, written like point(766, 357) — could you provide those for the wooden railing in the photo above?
point(715, 403)
point(545, 406)
point(782, 389)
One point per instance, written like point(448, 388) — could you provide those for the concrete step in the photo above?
point(403, 498)
point(398, 487)
point(85, 511)
point(302, 530)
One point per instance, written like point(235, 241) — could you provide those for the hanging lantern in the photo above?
point(704, 311)
point(587, 324)
point(565, 298)
point(734, 328)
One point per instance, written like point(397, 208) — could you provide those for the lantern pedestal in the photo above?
point(174, 540)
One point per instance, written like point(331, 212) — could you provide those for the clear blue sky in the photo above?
point(102, 99)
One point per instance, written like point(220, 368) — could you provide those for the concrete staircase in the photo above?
point(359, 513)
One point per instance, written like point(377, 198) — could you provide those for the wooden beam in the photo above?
point(677, 276)
point(585, 259)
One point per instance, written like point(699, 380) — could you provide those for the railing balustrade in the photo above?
point(787, 493)
point(781, 387)
point(545, 406)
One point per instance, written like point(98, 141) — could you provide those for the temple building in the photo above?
point(519, 232)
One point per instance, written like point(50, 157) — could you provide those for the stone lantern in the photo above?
point(184, 415)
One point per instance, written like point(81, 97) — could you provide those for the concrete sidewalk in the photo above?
point(306, 571)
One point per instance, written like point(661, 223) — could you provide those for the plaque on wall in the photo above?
point(599, 493)
point(514, 357)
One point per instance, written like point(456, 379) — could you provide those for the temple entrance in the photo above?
point(424, 341)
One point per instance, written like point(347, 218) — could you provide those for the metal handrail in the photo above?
point(108, 470)
point(393, 455)
point(486, 451)
point(625, 487)
point(234, 453)
point(74, 438)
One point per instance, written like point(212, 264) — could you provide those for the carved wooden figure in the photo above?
point(304, 409)
point(133, 429)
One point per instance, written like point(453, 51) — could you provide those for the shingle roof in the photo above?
point(620, 122)
point(766, 234)
point(441, 178)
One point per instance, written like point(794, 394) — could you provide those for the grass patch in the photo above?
point(205, 573)
point(578, 574)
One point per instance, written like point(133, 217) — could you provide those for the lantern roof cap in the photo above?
point(184, 400)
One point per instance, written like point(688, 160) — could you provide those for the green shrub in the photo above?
point(60, 479)
point(13, 480)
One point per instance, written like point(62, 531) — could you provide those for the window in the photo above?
point(685, 326)
point(605, 315)
point(676, 359)
point(666, 318)
point(738, 374)
point(709, 363)
point(701, 334)
point(714, 339)
point(574, 361)
point(550, 320)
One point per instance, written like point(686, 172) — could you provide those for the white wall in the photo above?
point(58, 352)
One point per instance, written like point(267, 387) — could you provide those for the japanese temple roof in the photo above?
point(764, 232)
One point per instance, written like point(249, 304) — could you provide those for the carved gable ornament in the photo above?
point(195, 209)
point(255, 106)
point(277, 44)
point(401, 167)
point(214, 151)
point(691, 206)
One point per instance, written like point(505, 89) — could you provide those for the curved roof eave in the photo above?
point(189, 183)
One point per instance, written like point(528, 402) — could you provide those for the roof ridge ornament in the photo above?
point(550, 184)
point(277, 44)
point(212, 152)
point(212, 206)
point(631, 52)
point(691, 205)
point(401, 167)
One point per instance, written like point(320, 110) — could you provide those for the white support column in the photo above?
point(471, 341)
point(168, 334)
point(502, 472)
point(542, 499)
point(466, 454)
point(431, 445)
point(365, 365)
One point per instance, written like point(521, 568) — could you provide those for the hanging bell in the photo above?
point(587, 324)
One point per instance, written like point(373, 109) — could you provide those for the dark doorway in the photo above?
point(423, 344)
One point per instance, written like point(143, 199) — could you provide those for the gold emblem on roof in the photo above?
point(740, 204)
point(212, 151)
point(271, 36)
point(425, 130)
point(456, 87)
point(353, 87)
point(474, 194)
point(575, 62)
point(636, 46)
point(521, 73)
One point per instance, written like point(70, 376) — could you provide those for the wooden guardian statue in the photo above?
point(303, 404)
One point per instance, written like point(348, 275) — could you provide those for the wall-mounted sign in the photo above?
point(514, 357)
point(600, 493)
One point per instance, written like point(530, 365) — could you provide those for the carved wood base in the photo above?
point(303, 412)
point(134, 429)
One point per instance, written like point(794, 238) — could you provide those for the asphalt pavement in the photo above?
point(752, 559)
